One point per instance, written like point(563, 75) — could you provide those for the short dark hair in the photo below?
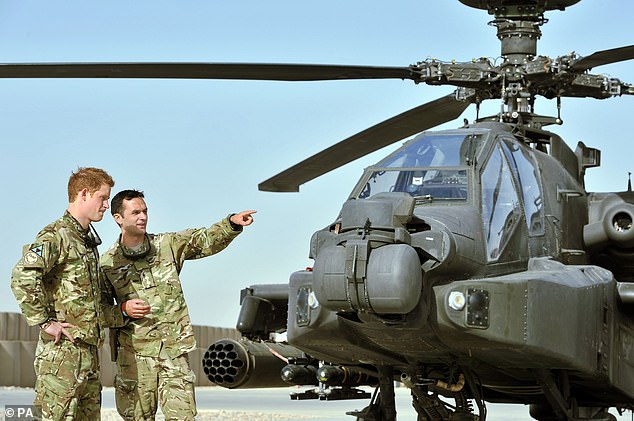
point(116, 204)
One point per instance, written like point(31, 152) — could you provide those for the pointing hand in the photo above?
point(243, 218)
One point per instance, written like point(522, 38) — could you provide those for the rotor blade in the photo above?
point(253, 71)
point(372, 139)
point(604, 57)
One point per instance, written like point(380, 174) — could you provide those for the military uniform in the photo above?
point(152, 354)
point(58, 279)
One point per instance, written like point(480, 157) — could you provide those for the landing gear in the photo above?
point(427, 392)
point(382, 405)
point(430, 407)
point(425, 400)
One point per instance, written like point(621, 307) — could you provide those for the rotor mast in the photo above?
point(517, 24)
point(518, 31)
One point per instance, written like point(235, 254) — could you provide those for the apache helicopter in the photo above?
point(469, 265)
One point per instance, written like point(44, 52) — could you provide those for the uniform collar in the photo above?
point(90, 236)
point(136, 252)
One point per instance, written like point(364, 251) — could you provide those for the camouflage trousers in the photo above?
point(141, 381)
point(68, 384)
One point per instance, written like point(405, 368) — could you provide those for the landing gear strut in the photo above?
point(382, 405)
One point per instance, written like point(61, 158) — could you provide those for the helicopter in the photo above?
point(470, 264)
point(450, 267)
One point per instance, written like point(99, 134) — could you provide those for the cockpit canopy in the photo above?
point(431, 166)
point(439, 167)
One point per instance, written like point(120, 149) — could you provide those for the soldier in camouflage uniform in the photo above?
point(152, 360)
point(58, 286)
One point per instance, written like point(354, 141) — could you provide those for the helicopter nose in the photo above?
point(370, 266)
point(388, 280)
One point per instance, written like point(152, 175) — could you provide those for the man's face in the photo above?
point(133, 219)
point(96, 203)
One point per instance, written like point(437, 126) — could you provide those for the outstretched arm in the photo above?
point(202, 242)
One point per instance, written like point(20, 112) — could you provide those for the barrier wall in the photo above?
point(18, 342)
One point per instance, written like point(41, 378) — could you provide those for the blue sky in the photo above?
point(199, 148)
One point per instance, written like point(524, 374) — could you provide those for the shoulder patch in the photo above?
point(37, 250)
point(31, 257)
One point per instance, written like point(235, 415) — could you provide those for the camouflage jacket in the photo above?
point(154, 279)
point(58, 278)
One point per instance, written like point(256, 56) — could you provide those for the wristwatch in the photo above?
point(46, 324)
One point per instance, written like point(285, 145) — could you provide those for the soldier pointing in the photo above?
point(143, 269)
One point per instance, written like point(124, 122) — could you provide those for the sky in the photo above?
point(199, 148)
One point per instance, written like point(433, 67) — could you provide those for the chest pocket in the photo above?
point(142, 275)
point(142, 283)
point(77, 254)
point(124, 280)
point(79, 267)
point(169, 279)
